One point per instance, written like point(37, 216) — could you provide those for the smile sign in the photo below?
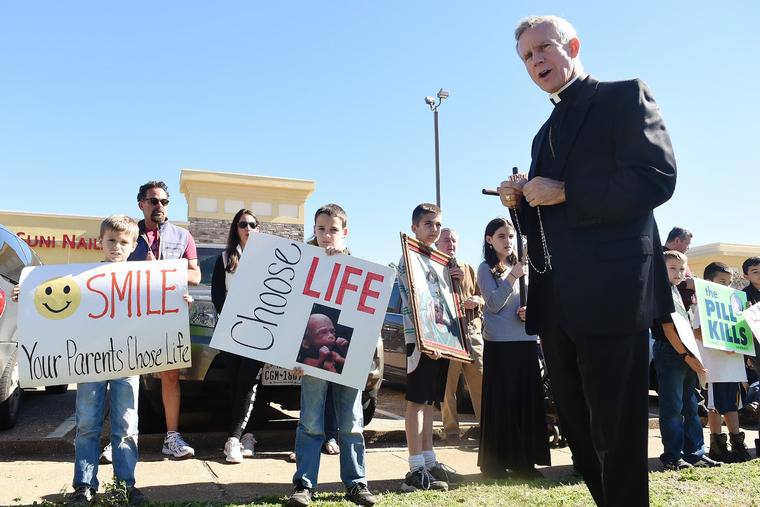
point(89, 322)
point(57, 298)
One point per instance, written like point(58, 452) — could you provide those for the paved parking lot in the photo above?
point(36, 456)
point(46, 424)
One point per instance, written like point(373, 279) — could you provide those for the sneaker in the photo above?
point(679, 464)
point(82, 495)
point(136, 497)
point(360, 494)
point(301, 496)
point(233, 450)
point(705, 462)
point(175, 445)
point(446, 473)
point(421, 479)
point(248, 441)
point(106, 457)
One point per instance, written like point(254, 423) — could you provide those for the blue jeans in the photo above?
point(310, 434)
point(90, 407)
point(680, 426)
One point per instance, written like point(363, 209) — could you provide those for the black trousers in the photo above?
point(244, 378)
point(600, 385)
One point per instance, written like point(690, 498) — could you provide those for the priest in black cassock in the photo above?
point(600, 164)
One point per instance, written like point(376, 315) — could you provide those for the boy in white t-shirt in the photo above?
point(725, 371)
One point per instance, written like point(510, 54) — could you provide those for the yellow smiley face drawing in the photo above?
point(57, 298)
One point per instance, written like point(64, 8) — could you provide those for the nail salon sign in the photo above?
point(290, 304)
point(91, 322)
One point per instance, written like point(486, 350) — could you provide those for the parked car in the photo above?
point(15, 255)
point(205, 385)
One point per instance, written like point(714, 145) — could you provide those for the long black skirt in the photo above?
point(513, 430)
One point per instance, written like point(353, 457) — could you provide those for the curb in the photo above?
point(206, 442)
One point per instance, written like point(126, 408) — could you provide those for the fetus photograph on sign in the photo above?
point(325, 342)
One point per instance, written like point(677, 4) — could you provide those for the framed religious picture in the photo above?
point(435, 301)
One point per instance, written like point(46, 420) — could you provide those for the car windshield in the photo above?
point(394, 304)
point(207, 256)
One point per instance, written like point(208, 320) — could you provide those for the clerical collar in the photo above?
point(564, 92)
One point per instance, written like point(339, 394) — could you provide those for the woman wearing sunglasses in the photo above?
point(244, 372)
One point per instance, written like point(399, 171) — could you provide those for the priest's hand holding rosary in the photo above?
point(539, 191)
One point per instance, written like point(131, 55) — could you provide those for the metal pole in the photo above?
point(437, 162)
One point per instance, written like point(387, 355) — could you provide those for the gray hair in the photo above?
point(564, 29)
point(451, 231)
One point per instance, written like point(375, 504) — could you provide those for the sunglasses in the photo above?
point(243, 224)
point(154, 201)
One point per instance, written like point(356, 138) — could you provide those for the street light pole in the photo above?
point(433, 105)
point(437, 161)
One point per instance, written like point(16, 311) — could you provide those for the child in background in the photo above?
point(330, 229)
point(118, 237)
point(725, 370)
point(677, 369)
point(426, 376)
point(751, 269)
point(513, 424)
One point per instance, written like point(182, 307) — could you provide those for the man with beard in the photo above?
point(158, 240)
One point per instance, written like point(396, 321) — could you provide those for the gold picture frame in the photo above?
point(435, 301)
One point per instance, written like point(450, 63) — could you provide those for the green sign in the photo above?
point(720, 317)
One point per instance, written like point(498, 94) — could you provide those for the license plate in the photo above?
point(276, 376)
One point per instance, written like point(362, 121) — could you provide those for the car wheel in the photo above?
point(10, 393)
point(60, 389)
point(149, 420)
point(464, 403)
point(368, 408)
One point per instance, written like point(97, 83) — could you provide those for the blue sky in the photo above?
point(98, 97)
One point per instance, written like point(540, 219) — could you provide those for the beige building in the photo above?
point(731, 254)
point(212, 200)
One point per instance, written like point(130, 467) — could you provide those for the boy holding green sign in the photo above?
point(725, 338)
point(751, 268)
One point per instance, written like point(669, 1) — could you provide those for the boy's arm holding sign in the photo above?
point(675, 341)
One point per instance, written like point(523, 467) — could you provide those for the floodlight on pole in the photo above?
point(433, 105)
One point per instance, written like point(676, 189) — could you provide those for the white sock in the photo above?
point(430, 459)
point(416, 462)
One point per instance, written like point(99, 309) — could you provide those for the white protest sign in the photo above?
point(290, 304)
point(686, 334)
point(752, 316)
point(90, 322)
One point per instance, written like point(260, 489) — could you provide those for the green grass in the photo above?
point(737, 484)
